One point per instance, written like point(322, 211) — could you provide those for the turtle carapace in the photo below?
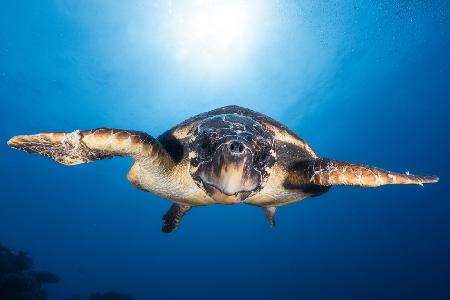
point(226, 156)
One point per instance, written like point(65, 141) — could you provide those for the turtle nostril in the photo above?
point(236, 147)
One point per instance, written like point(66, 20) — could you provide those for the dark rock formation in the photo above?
point(17, 280)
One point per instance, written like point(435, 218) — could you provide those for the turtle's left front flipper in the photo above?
point(329, 172)
point(84, 146)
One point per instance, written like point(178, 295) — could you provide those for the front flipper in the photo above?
point(173, 217)
point(329, 172)
point(84, 146)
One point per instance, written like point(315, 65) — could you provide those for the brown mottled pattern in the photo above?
point(88, 145)
point(279, 131)
point(328, 172)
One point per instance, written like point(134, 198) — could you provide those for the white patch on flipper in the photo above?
point(71, 141)
point(72, 144)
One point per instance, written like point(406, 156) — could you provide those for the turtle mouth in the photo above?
point(230, 177)
point(221, 197)
point(215, 188)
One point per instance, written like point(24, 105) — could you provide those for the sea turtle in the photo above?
point(229, 155)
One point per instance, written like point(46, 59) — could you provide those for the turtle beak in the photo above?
point(231, 178)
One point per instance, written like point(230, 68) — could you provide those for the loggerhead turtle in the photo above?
point(226, 156)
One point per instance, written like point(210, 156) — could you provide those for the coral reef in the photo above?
point(17, 280)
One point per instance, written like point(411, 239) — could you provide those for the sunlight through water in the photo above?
point(214, 35)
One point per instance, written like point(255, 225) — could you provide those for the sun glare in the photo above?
point(214, 35)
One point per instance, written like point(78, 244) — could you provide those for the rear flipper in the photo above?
point(270, 211)
point(173, 217)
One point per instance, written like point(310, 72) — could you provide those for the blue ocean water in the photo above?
point(364, 81)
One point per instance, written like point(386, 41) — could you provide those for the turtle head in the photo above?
point(230, 157)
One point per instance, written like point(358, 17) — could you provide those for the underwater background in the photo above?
point(364, 81)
